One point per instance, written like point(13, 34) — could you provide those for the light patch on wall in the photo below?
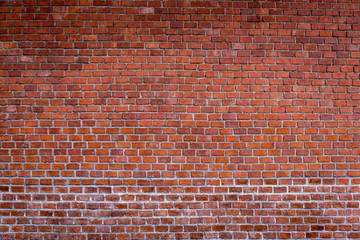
point(147, 10)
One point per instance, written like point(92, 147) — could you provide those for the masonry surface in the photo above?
point(179, 119)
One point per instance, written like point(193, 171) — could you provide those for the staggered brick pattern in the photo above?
point(179, 119)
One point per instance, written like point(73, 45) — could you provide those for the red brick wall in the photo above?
point(179, 119)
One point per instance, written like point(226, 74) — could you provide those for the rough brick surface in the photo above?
point(179, 119)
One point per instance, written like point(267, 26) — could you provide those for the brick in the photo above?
point(179, 119)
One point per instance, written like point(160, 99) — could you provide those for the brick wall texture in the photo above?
point(179, 119)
